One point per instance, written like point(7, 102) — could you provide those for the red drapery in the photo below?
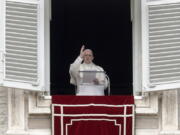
point(93, 115)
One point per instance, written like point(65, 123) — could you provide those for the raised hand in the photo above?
point(82, 51)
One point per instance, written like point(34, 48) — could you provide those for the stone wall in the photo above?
point(3, 111)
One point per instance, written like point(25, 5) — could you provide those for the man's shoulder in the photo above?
point(99, 68)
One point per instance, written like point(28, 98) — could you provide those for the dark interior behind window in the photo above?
point(103, 26)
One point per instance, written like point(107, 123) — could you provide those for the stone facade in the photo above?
point(28, 113)
point(3, 111)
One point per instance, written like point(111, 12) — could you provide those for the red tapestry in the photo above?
point(92, 115)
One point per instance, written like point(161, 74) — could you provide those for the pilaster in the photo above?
point(170, 113)
point(17, 119)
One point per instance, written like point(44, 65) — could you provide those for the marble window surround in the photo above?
point(160, 108)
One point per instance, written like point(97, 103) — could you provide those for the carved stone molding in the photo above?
point(38, 104)
point(147, 104)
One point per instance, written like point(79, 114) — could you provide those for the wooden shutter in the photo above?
point(24, 49)
point(21, 42)
point(162, 45)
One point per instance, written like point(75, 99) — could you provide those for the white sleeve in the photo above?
point(73, 71)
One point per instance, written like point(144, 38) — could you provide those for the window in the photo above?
point(104, 27)
point(159, 51)
point(24, 44)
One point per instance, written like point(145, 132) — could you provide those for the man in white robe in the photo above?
point(84, 63)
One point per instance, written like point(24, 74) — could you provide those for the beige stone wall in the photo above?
point(3, 111)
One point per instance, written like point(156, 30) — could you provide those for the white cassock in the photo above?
point(87, 90)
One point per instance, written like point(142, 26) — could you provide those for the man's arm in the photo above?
point(74, 67)
point(76, 64)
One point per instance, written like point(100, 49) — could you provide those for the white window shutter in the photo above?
point(161, 44)
point(24, 45)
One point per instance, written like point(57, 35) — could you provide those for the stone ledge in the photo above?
point(29, 132)
point(173, 132)
point(147, 132)
point(17, 132)
point(39, 132)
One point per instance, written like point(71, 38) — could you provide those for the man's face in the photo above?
point(88, 56)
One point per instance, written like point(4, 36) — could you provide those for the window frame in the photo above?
point(137, 50)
